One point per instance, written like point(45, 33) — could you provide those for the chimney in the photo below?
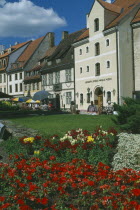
point(108, 1)
point(16, 43)
point(2, 48)
point(51, 39)
point(65, 34)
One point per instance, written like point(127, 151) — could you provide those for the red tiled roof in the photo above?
point(84, 35)
point(127, 6)
point(137, 17)
point(111, 7)
point(24, 57)
point(14, 48)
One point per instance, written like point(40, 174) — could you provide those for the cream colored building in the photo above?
point(104, 57)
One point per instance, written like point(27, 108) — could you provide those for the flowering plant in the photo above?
point(44, 185)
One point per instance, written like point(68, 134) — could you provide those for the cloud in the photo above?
point(2, 2)
point(25, 19)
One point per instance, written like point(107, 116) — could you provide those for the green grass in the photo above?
point(59, 124)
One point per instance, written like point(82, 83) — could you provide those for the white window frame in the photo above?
point(68, 75)
point(68, 98)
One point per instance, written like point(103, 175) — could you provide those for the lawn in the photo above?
point(59, 124)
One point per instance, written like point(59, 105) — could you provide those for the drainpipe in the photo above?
point(118, 66)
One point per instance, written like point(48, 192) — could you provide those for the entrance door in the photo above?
point(100, 100)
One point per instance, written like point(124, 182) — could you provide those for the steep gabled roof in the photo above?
point(111, 7)
point(137, 17)
point(84, 35)
point(49, 52)
point(126, 7)
point(25, 56)
point(65, 44)
point(14, 48)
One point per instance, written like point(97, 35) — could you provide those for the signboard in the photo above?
point(98, 80)
point(57, 87)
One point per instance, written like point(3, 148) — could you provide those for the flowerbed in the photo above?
point(93, 147)
point(34, 184)
point(72, 172)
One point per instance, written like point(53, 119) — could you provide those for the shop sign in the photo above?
point(98, 80)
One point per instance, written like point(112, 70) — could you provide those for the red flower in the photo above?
point(91, 183)
point(84, 193)
point(29, 177)
point(44, 201)
point(2, 198)
point(123, 187)
point(5, 206)
point(21, 202)
point(52, 157)
point(136, 192)
point(93, 193)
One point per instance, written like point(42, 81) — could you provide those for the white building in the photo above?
point(104, 58)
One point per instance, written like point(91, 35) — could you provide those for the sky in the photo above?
point(23, 20)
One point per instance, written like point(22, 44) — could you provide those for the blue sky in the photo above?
point(22, 20)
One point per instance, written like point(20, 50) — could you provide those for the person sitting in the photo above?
point(50, 105)
point(109, 108)
point(92, 108)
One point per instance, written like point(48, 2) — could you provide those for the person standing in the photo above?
point(92, 108)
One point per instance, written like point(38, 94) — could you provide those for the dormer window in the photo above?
point(2, 52)
point(49, 63)
point(39, 63)
point(58, 60)
point(4, 63)
point(9, 50)
point(96, 24)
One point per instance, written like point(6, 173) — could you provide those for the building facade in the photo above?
point(103, 66)
point(58, 72)
point(25, 63)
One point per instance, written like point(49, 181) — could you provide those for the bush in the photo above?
point(7, 106)
point(129, 115)
point(128, 155)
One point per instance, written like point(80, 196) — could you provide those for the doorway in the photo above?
point(57, 101)
point(98, 97)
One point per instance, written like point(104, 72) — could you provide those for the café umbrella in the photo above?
point(41, 95)
point(30, 101)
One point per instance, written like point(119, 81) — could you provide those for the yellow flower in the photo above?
point(36, 152)
point(90, 139)
point(29, 139)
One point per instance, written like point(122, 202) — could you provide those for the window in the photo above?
point(97, 49)
point(0, 89)
point(20, 75)
point(80, 52)
point(57, 77)
point(25, 87)
point(44, 79)
point(37, 85)
point(4, 90)
point(108, 64)
point(51, 79)
point(97, 69)
point(87, 49)
point(4, 77)
point(80, 70)
point(33, 86)
point(96, 24)
point(16, 77)
point(87, 68)
point(10, 88)
point(81, 98)
point(4, 63)
point(0, 64)
point(20, 87)
point(68, 75)
point(107, 42)
point(88, 97)
point(0, 78)
point(68, 97)
point(108, 96)
point(16, 87)
point(10, 77)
